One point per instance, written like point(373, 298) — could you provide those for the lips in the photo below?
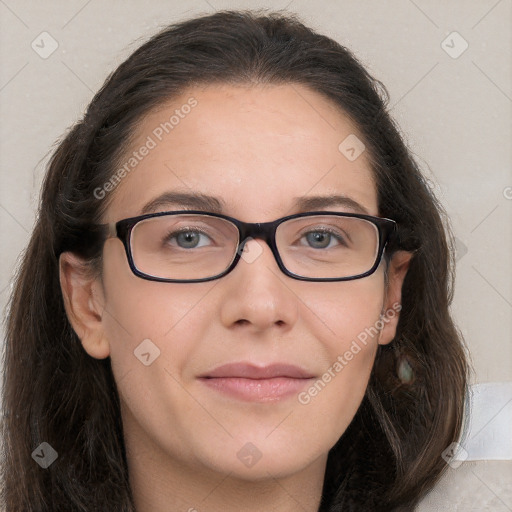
point(257, 383)
point(248, 371)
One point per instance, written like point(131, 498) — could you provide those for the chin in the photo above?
point(261, 458)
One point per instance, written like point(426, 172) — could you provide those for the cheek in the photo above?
point(136, 308)
point(332, 400)
point(348, 309)
point(153, 330)
point(350, 314)
point(147, 324)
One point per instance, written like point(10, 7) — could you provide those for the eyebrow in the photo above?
point(319, 202)
point(203, 202)
point(194, 201)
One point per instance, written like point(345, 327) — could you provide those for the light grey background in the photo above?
point(453, 106)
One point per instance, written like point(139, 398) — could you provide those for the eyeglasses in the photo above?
point(191, 246)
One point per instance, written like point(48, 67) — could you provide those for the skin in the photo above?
point(257, 148)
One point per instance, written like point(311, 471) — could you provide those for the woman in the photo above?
point(236, 293)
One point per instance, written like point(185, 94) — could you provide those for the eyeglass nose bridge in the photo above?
point(258, 230)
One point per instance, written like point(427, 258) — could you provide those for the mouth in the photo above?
point(257, 383)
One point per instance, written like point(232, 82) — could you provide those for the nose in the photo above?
point(256, 293)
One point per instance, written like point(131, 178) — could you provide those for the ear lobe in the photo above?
point(83, 299)
point(398, 267)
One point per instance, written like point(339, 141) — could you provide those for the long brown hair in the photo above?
point(54, 392)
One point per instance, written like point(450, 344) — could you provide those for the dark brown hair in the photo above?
point(54, 392)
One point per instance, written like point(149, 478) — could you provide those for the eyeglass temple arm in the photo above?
point(111, 230)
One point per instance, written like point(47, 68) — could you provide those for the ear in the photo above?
point(397, 269)
point(83, 300)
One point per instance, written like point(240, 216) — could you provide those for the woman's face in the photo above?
point(257, 150)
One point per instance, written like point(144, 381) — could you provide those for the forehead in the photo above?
point(256, 148)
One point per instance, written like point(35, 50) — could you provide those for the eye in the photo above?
point(186, 238)
point(321, 238)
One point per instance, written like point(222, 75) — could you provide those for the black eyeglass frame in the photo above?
point(266, 231)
